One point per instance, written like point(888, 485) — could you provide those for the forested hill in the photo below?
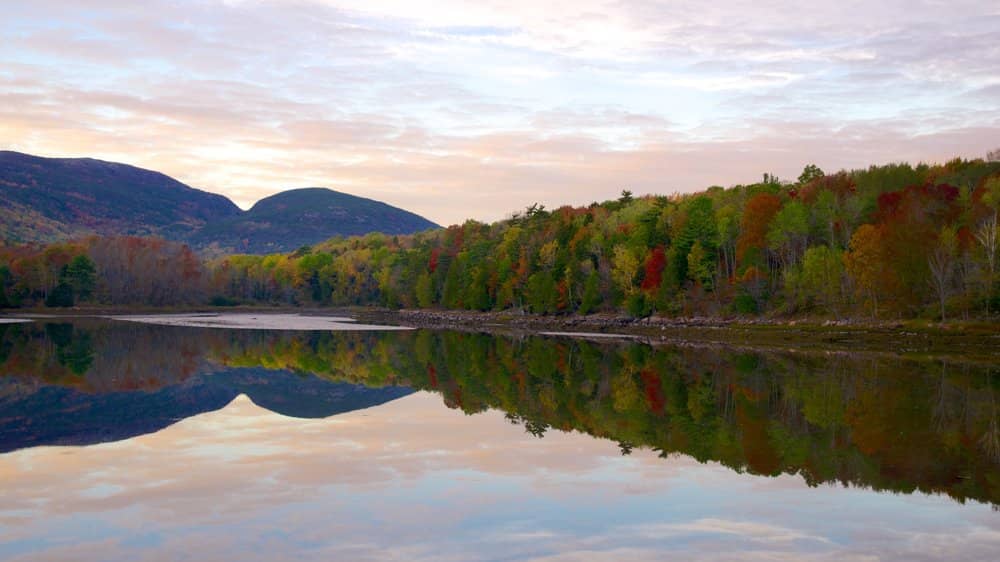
point(299, 217)
point(49, 199)
point(889, 241)
point(54, 199)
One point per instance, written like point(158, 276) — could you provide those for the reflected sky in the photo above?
point(414, 480)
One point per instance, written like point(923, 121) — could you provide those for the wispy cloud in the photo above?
point(496, 104)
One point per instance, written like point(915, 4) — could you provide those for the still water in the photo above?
point(125, 441)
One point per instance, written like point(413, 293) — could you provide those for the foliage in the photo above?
point(60, 296)
point(892, 240)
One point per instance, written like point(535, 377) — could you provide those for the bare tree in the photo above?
point(988, 236)
point(942, 265)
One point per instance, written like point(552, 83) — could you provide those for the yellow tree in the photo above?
point(624, 266)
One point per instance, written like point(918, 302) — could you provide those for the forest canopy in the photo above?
point(888, 241)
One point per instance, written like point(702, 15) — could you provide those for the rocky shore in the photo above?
point(967, 340)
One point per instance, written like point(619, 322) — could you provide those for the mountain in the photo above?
point(52, 199)
point(298, 217)
point(49, 199)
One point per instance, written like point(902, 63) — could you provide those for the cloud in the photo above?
point(459, 110)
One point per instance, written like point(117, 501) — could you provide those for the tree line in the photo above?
point(893, 241)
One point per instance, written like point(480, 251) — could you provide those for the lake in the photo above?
point(128, 441)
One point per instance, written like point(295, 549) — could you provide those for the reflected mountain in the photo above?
point(67, 384)
point(57, 415)
point(881, 421)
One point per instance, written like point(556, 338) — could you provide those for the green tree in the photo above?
point(477, 295)
point(5, 277)
point(541, 295)
point(424, 290)
point(60, 296)
point(700, 266)
point(821, 278)
point(452, 293)
point(698, 225)
point(638, 305)
point(80, 274)
point(809, 173)
point(591, 294)
point(789, 232)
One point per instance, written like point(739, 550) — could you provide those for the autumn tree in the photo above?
point(754, 225)
point(630, 254)
point(624, 267)
point(656, 261)
point(867, 264)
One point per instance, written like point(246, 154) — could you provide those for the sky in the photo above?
point(456, 109)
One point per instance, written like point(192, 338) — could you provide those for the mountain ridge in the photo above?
point(46, 199)
point(297, 217)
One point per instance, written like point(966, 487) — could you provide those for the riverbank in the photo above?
point(968, 339)
point(979, 340)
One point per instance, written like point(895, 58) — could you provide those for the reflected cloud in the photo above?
point(412, 480)
point(750, 531)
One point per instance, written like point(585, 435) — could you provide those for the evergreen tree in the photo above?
point(80, 274)
point(60, 296)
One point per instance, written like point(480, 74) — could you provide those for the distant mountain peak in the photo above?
point(297, 217)
point(50, 199)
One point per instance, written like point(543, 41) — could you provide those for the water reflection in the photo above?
point(92, 381)
point(411, 480)
point(873, 421)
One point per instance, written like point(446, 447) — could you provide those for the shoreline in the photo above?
point(973, 339)
point(914, 338)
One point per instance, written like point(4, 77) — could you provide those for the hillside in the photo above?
point(890, 241)
point(56, 199)
point(299, 217)
point(893, 241)
point(49, 199)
